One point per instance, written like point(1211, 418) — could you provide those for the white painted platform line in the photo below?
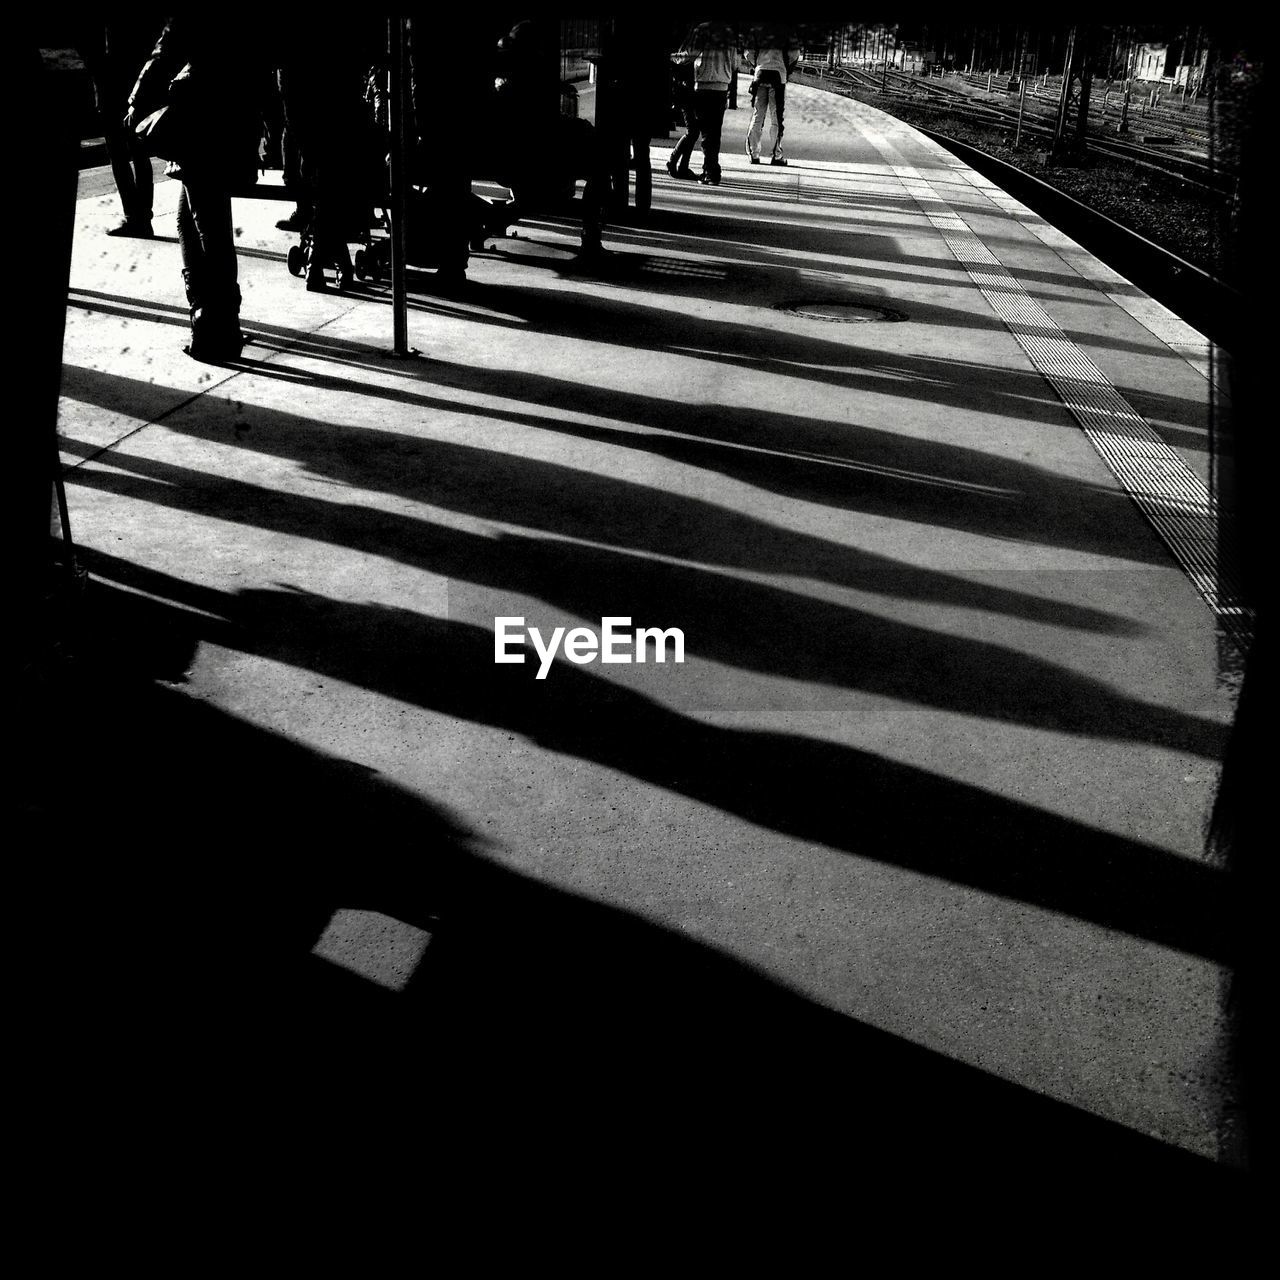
point(1169, 494)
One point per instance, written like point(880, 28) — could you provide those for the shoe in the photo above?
point(778, 160)
point(710, 179)
point(755, 159)
point(685, 173)
point(219, 352)
point(344, 267)
point(215, 336)
point(136, 230)
point(296, 221)
point(450, 279)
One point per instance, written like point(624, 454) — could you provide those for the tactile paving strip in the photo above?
point(1169, 494)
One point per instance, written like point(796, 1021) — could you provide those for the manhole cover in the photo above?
point(841, 312)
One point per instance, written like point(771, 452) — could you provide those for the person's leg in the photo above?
point(326, 248)
point(143, 184)
point(644, 173)
point(324, 220)
point(291, 158)
point(759, 110)
point(779, 106)
point(210, 269)
point(272, 120)
point(130, 164)
point(682, 153)
point(210, 204)
point(131, 168)
point(193, 273)
point(588, 158)
point(458, 219)
point(617, 147)
point(593, 193)
point(711, 108)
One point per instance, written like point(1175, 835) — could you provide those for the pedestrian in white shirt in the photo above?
point(711, 49)
point(772, 61)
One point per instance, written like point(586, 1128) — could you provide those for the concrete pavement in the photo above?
point(940, 756)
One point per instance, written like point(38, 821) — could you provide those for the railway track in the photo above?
point(1039, 118)
point(1208, 304)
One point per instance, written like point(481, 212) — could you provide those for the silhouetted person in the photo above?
point(632, 102)
point(199, 68)
point(113, 54)
point(323, 92)
point(772, 61)
point(444, 82)
point(710, 48)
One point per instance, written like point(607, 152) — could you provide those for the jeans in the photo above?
point(131, 168)
point(766, 93)
point(709, 106)
point(208, 244)
point(682, 152)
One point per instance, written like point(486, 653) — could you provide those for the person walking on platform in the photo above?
point(710, 47)
point(631, 102)
point(772, 61)
point(682, 102)
point(199, 69)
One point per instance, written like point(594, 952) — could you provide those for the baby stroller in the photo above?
point(428, 233)
point(304, 260)
point(347, 191)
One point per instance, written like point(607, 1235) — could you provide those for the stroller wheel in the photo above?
point(296, 260)
point(360, 262)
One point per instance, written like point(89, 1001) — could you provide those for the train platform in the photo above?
point(907, 855)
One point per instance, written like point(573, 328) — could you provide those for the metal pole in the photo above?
point(64, 514)
point(398, 107)
point(1066, 88)
point(1022, 101)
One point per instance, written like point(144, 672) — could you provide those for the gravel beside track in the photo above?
point(1178, 216)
